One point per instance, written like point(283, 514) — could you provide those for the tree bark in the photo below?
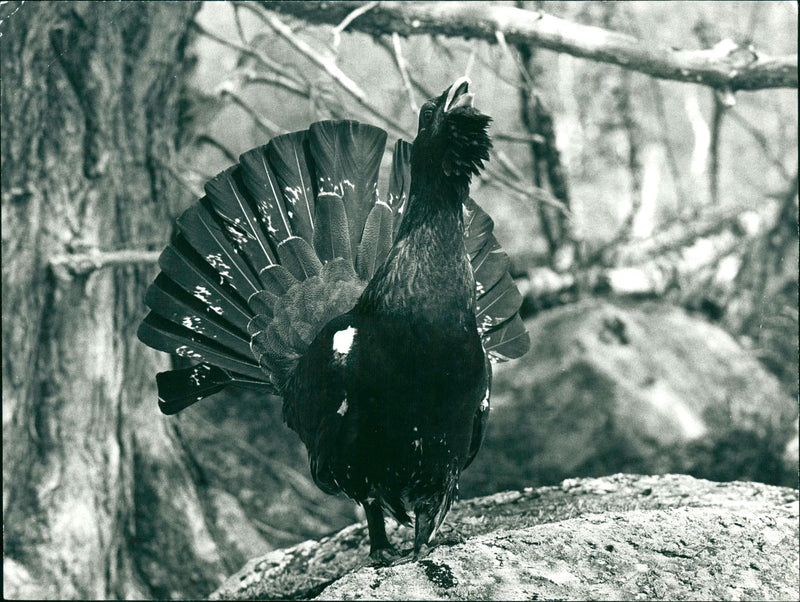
point(99, 496)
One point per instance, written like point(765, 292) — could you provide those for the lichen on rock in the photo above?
point(611, 538)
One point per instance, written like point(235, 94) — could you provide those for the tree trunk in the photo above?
point(99, 496)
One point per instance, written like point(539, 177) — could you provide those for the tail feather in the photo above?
point(489, 266)
point(477, 227)
point(204, 232)
point(376, 240)
point(286, 155)
point(178, 389)
point(271, 361)
point(170, 301)
point(507, 341)
point(299, 258)
point(277, 279)
point(497, 298)
point(498, 304)
point(347, 157)
point(239, 218)
point(191, 272)
point(399, 181)
point(332, 233)
point(262, 185)
point(159, 333)
point(277, 282)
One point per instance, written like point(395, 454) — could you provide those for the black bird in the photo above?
point(375, 320)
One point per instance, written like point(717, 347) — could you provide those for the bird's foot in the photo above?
point(388, 556)
point(453, 538)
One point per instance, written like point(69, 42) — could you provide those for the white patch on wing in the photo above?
point(343, 340)
point(342, 408)
point(485, 401)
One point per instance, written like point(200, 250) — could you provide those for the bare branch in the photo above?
point(726, 65)
point(77, 264)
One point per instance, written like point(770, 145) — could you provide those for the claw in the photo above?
point(387, 556)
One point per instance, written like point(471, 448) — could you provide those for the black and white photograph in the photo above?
point(400, 300)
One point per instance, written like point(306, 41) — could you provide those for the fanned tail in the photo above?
point(283, 242)
point(280, 244)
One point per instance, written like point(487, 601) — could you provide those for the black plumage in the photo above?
point(376, 320)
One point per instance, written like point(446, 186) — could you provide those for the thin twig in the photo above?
point(402, 67)
point(337, 31)
point(271, 128)
point(762, 141)
point(330, 67)
point(248, 51)
point(519, 188)
point(239, 27)
point(195, 188)
point(328, 64)
point(214, 143)
point(519, 138)
point(501, 41)
point(471, 60)
point(278, 80)
point(427, 93)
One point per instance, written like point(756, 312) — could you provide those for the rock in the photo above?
point(646, 388)
point(618, 537)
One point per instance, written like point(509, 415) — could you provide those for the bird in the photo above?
point(376, 318)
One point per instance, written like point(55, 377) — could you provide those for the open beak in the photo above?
point(459, 95)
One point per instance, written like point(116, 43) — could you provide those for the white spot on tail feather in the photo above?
point(202, 293)
point(343, 340)
point(192, 323)
point(184, 351)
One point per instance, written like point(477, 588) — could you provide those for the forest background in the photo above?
point(644, 182)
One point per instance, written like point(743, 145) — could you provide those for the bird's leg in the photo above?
point(424, 526)
point(380, 550)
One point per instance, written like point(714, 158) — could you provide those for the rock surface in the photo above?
point(642, 388)
point(619, 537)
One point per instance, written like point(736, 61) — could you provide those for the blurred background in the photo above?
point(652, 226)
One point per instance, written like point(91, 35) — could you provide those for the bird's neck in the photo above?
point(427, 276)
point(434, 202)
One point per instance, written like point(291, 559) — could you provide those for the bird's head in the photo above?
point(452, 138)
